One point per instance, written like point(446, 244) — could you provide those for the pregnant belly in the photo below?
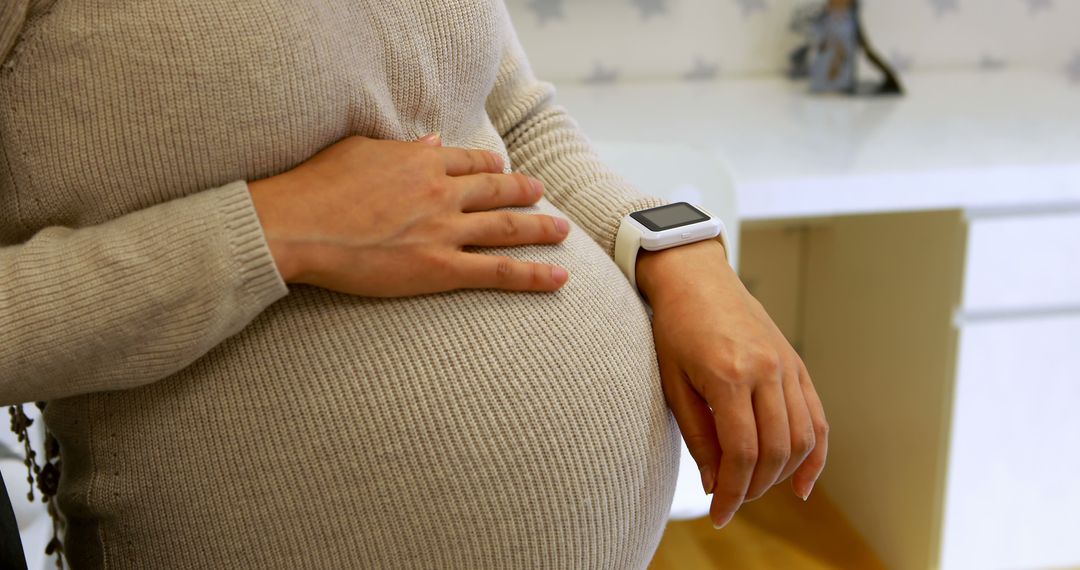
point(473, 428)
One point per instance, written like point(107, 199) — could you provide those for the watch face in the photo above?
point(669, 216)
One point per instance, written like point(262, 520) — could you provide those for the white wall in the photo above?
point(598, 40)
point(35, 526)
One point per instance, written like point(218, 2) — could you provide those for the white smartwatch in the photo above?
point(663, 227)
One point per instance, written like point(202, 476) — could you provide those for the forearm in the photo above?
point(130, 301)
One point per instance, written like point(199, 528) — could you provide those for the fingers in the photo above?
point(695, 422)
point(493, 229)
point(774, 437)
point(481, 271)
point(733, 414)
point(481, 181)
point(461, 162)
point(802, 430)
point(807, 474)
point(490, 191)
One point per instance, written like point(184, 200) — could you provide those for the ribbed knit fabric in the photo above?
point(211, 416)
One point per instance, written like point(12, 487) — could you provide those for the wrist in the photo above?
point(664, 272)
point(265, 199)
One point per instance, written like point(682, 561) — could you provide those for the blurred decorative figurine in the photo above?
point(834, 37)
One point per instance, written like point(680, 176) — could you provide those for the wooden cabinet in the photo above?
point(944, 348)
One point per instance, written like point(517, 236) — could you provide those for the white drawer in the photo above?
point(1023, 263)
point(1012, 499)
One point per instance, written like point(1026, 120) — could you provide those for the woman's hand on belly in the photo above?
point(389, 219)
point(717, 348)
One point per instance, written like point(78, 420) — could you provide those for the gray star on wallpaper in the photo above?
point(650, 8)
point(702, 71)
point(1039, 5)
point(750, 6)
point(1072, 70)
point(942, 7)
point(990, 63)
point(546, 10)
point(901, 62)
point(601, 75)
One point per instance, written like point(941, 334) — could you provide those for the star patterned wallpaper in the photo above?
point(605, 41)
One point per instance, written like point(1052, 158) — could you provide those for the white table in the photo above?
point(923, 253)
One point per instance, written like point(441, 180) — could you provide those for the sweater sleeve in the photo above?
point(545, 142)
point(133, 300)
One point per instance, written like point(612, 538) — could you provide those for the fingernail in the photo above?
point(431, 137)
point(707, 479)
point(805, 494)
point(562, 225)
point(559, 274)
point(537, 186)
point(498, 159)
point(723, 523)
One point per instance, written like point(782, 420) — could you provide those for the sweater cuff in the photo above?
point(260, 280)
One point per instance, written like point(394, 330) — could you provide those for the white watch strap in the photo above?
point(627, 244)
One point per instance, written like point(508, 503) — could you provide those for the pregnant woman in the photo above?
point(277, 326)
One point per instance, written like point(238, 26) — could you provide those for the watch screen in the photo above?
point(670, 216)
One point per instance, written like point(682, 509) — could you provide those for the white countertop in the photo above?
point(977, 140)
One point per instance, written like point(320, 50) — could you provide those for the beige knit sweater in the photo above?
point(211, 416)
